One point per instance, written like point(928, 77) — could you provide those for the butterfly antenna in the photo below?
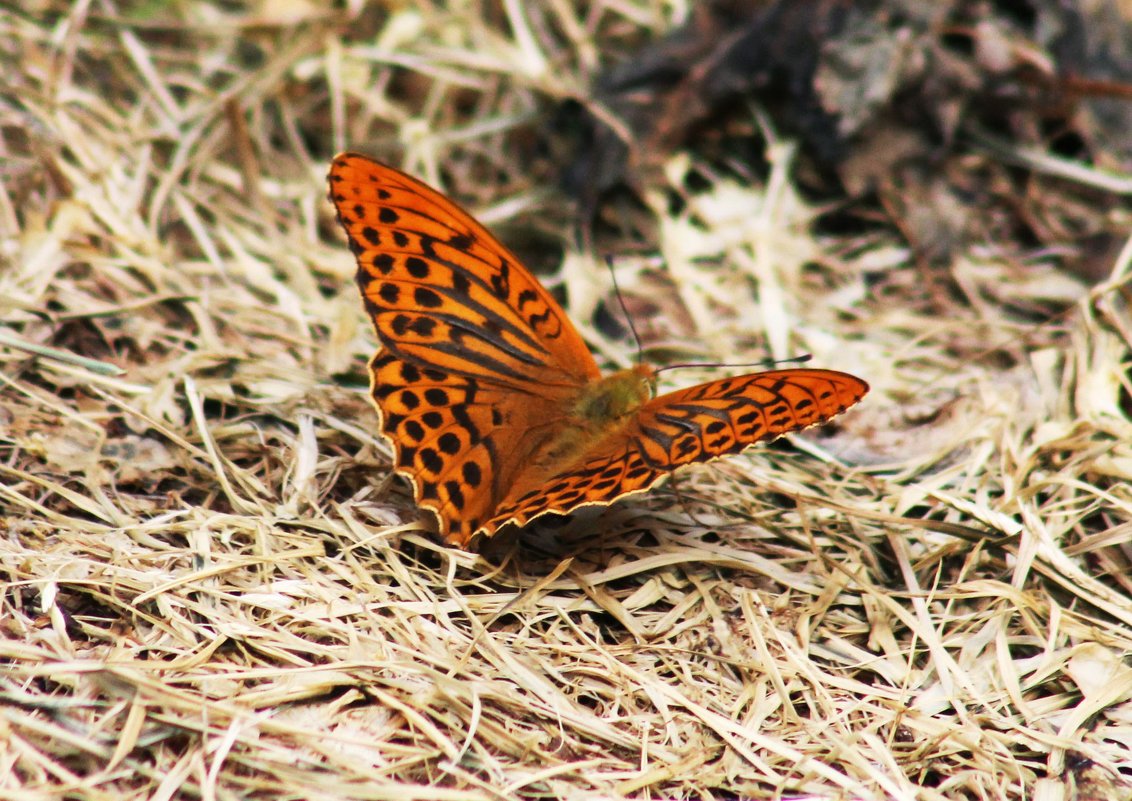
point(625, 310)
point(764, 363)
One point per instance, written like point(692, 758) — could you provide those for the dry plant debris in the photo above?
point(209, 590)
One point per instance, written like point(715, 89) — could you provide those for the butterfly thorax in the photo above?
point(599, 409)
point(615, 396)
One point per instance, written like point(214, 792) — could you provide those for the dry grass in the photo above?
point(210, 589)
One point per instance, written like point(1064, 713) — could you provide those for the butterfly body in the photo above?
point(496, 410)
point(614, 397)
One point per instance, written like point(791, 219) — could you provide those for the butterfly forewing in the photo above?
point(696, 424)
point(725, 416)
point(442, 290)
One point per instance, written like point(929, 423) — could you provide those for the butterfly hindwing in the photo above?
point(457, 439)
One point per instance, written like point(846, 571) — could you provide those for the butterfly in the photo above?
point(495, 408)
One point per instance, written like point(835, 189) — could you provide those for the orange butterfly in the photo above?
point(495, 408)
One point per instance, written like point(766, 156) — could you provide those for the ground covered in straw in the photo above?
point(210, 587)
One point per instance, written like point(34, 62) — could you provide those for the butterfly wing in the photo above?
point(460, 442)
point(479, 361)
point(443, 292)
point(696, 424)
